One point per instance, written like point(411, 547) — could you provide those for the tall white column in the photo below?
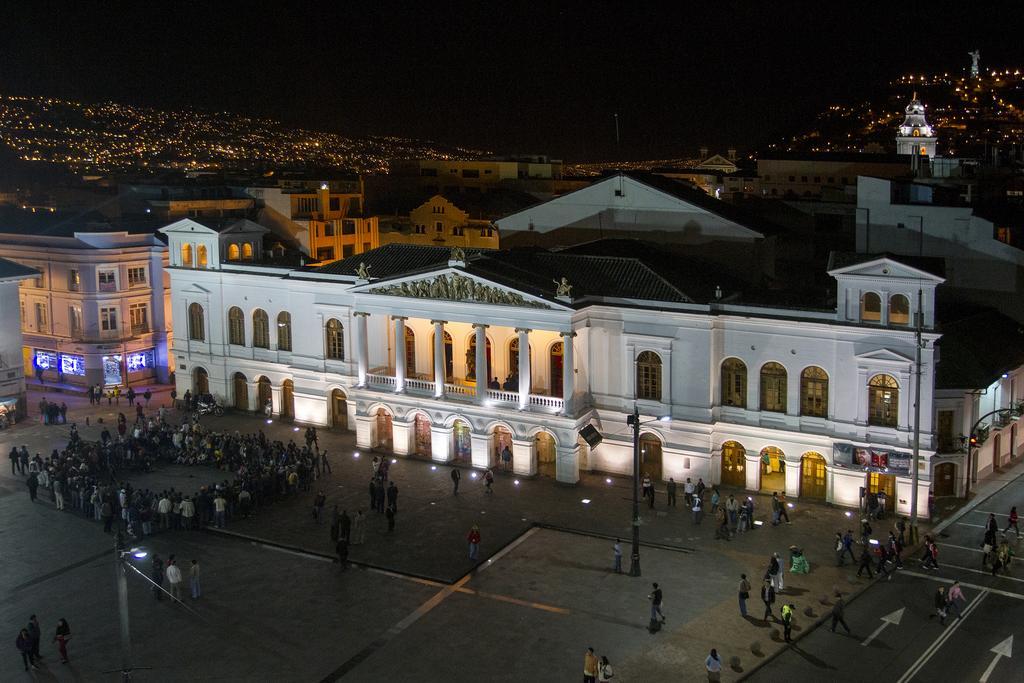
point(438, 358)
point(524, 367)
point(568, 376)
point(481, 361)
point(362, 350)
point(400, 368)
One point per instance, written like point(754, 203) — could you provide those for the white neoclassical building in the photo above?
point(451, 357)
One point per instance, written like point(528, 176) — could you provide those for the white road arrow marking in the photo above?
point(893, 618)
point(1003, 649)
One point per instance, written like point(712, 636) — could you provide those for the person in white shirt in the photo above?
point(188, 511)
point(173, 578)
point(164, 508)
point(714, 666)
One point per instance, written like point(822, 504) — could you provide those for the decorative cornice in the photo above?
point(454, 287)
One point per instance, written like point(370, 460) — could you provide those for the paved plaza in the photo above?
point(412, 606)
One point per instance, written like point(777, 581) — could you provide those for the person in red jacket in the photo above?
point(1013, 522)
point(474, 542)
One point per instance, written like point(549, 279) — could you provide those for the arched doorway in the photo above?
point(385, 436)
point(288, 398)
point(241, 388)
point(200, 382)
point(650, 456)
point(773, 469)
point(339, 409)
point(462, 442)
point(421, 435)
point(264, 394)
point(544, 449)
point(734, 465)
point(555, 369)
point(471, 360)
point(502, 440)
point(944, 480)
point(812, 476)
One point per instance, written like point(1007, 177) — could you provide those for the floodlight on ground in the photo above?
point(848, 513)
point(394, 461)
point(433, 467)
point(585, 501)
point(356, 454)
point(473, 475)
point(607, 480)
point(295, 429)
point(665, 418)
point(758, 522)
point(270, 421)
point(790, 505)
point(516, 482)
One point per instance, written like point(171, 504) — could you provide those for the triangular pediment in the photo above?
point(186, 225)
point(717, 161)
point(451, 284)
point(194, 288)
point(884, 267)
point(884, 357)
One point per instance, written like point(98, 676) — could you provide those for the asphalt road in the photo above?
point(918, 647)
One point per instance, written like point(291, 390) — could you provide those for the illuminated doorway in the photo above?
point(650, 456)
point(812, 476)
point(734, 465)
point(339, 409)
point(773, 469)
point(544, 447)
point(421, 429)
point(463, 442)
point(241, 386)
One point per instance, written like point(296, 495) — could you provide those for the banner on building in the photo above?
point(867, 458)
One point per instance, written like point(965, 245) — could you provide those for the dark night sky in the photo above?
point(531, 77)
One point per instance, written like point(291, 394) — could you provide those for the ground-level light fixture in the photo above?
point(295, 429)
point(394, 461)
point(607, 480)
point(585, 501)
point(270, 422)
point(790, 506)
point(758, 522)
point(516, 482)
point(848, 513)
point(356, 454)
point(433, 467)
point(473, 475)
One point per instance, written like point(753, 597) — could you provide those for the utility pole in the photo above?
point(121, 572)
point(616, 131)
point(918, 344)
point(634, 565)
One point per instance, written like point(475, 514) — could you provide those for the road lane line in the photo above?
point(962, 547)
point(943, 637)
point(940, 579)
point(976, 526)
point(978, 571)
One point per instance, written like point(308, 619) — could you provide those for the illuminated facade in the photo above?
point(396, 344)
point(440, 222)
point(97, 312)
point(915, 136)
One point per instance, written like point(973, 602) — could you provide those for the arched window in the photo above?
point(335, 340)
point(260, 329)
point(883, 401)
point(186, 255)
point(871, 308)
point(899, 310)
point(201, 256)
point(773, 388)
point(236, 326)
point(284, 331)
point(247, 251)
point(196, 323)
point(233, 253)
point(734, 383)
point(814, 392)
point(648, 376)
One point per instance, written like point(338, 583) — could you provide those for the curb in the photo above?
point(973, 503)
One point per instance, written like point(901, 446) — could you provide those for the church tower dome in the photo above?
point(915, 136)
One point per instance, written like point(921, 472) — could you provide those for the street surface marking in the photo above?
point(514, 601)
point(962, 547)
point(940, 579)
point(308, 556)
point(1003, 649)
point(943, 637)
point(978, 571)
point(977, 526)
point(989, 512)
point(893, 618)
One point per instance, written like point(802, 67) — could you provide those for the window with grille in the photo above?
point(335, 340)
point(773, 388)
point(648, 376)
point(284, 331)
point(814, 392)
point(236, 326)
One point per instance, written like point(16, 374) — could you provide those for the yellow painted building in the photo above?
point(439, 222)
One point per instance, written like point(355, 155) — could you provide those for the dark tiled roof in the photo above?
point(391, 260)
point(9, 269)
point(845, 259)
point(976, 350)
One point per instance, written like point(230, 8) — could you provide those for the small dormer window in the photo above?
point(871, 308)
point(899, 310)
point(247, 251)
point(233, 252)
point(201, 258)
point(186, 255)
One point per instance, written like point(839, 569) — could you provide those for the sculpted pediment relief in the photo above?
point(454, 287)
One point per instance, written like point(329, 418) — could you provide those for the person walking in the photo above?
point(713, 666)
point(743, 594)
point(617, 557)
point(604, 671)
point(473, 537)
point(838, 608)
point(195, 587)
point(389, 513)
point(954, 597)
point(33, 486)
point(776, 509)
point(379, 494)
point(392, 496)
point(847, 547)
point(670, 492)
point(61, 637)
point(929, 560)
point(24, 645)
point(787, 622)
point(488, 481)
point(1012, 522)
point(358, 528)
point(589, 666)
point(341, 547)
point(158, 577)
point(657, 616)
point(174, 578)
point(940, 604)
point(36, 633)
point(372, 490)
point(220, 508)
point(775, 572)
point(865, 562)
point(688, 489)
point(768, 598)
point(698, 510)
point(318, 506)
point(456, 478)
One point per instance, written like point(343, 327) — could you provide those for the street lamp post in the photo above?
point(121, 551)
point(634, 421)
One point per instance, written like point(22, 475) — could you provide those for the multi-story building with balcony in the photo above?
point(96, 313)
point(454, 357)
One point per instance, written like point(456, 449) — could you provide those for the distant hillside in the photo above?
point(109, 136)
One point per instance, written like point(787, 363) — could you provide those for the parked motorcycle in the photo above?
point(209, 407)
